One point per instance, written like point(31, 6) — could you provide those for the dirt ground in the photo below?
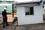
point(25, 27)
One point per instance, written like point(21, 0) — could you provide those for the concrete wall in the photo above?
point(30, 19)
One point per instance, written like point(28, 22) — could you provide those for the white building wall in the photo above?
point(30, 19)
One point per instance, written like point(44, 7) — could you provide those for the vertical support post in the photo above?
point(12, 10)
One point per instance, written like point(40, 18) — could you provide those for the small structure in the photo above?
point(29, 12)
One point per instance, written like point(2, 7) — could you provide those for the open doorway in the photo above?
point(44, 13)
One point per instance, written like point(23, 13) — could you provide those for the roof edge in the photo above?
point(28, 3)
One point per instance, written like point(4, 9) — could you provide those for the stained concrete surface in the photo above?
point(25, 27)
point(32, 27)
